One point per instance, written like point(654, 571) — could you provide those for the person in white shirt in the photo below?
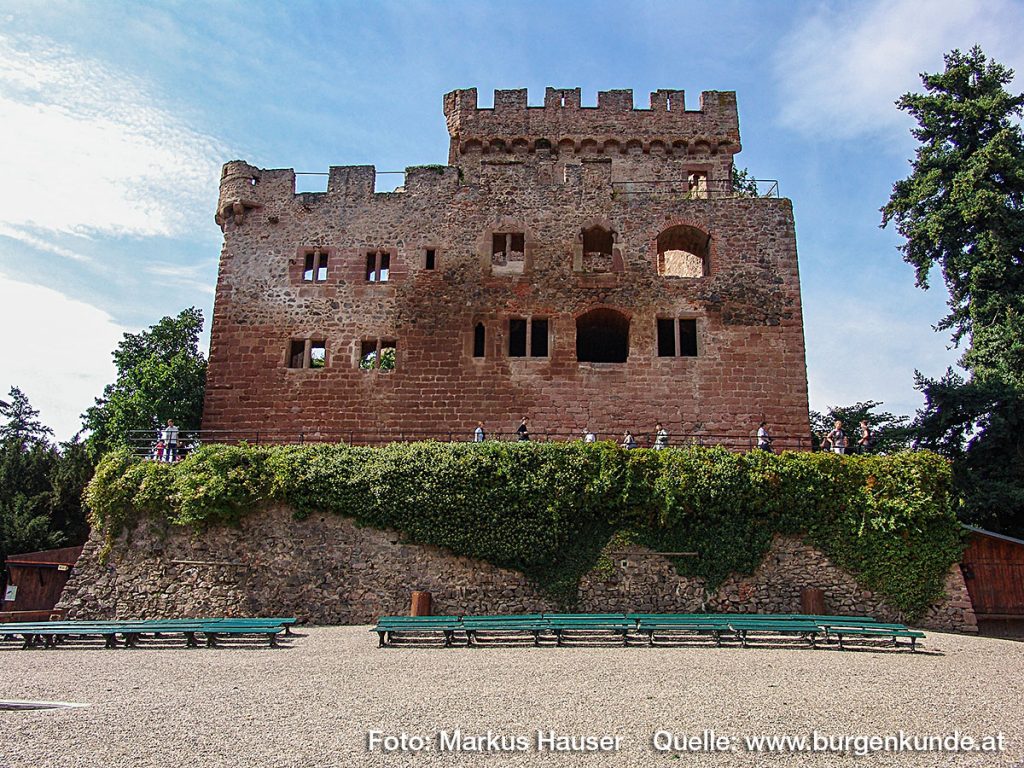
point(170, 436)
point(478, 434)
point(764, 440)
point(660, 437)
point(588, 436)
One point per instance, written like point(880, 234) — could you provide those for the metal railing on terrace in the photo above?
point(684, 189)
point(147, 443)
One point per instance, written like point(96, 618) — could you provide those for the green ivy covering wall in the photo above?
point(548, 509)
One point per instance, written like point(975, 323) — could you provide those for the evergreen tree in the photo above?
point(961, 210)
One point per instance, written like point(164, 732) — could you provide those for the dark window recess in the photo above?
point(385, 268)
point(431, 260)
point(602, 336)
point(479, 337)
point(688, 338)
point(368, 354)
point(666, 337)
point(321, 270)
point(517, 337)
point(297, 353)
point(597, 240)
point(539, 337)
point(371, 268)
point(307, 272)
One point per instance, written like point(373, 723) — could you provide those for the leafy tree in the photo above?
point(961, 210)
point(889, 433)
point(161, 375)
point(743, 183)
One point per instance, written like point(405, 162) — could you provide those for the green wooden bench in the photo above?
point(51, 632)
point(614, 623)
point(391, 628)
point(505, 625)
point(891, 631)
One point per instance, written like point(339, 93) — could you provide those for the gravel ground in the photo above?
point(314, 702)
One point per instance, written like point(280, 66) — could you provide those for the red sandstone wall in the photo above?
point(751, 362)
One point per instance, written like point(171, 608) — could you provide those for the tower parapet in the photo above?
point(563, 125)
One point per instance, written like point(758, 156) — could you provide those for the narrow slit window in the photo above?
point(385, 268)
point(479, 339)
point(517, 337)
point(539, 337)
point(321, 268)
point(308, 270)
point(371, 267)
point(430, 262)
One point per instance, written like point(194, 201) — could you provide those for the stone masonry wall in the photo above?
point(549, 174)
point(328, 570)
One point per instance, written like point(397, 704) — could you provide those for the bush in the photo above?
point(548, 509)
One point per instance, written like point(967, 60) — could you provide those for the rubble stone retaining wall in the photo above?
point(328, 570)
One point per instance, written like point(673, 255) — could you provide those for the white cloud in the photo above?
point(56, 349)
point(841, 68)
point(88, 150)
point(863, 349)
point(196, 277)
point(42, 244)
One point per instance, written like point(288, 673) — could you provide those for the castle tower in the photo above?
point(582, 266)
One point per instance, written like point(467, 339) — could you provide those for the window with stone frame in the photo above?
point(528, 337)
point(430, 258)
point(315, 268)
point(378, 355)
point(479, 340)
point(683, 251)
point(508, 252)
point(378, 266)
point(677, 337)
point(307, 353)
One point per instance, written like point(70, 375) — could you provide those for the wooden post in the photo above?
point(420, 604)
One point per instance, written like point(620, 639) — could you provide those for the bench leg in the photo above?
point(448, 638)
point(380, 638)
point(718, 638)
point(839, 639)
point(111, 640)
point(625, 637)
point(813, 639)
point(913, 645)
point(190, 640)
point(211, 639)
point(536, 638)
point(29, 641)
point(558, 637)
point(650, 637)
point(272, 637)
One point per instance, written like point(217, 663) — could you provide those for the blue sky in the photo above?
point(116, 117)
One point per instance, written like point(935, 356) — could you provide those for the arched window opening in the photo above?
point(602, 336)
point(683, 252)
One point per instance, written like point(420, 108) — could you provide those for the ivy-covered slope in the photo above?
point(549, 509)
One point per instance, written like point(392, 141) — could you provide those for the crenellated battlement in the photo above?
point(563, 125)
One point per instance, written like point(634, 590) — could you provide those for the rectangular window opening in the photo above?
point(297, 353)
point(321, 268)
point(388, 355)
point(307, 272)
point(371, 267)
point(688, 338)
point(430, 261)
point(479, 338)
point(666, 338)
point(385, 268)
point(318, 354)
point(539, 337)
point(517, 337)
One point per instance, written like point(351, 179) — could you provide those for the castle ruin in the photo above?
point(586, 267)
